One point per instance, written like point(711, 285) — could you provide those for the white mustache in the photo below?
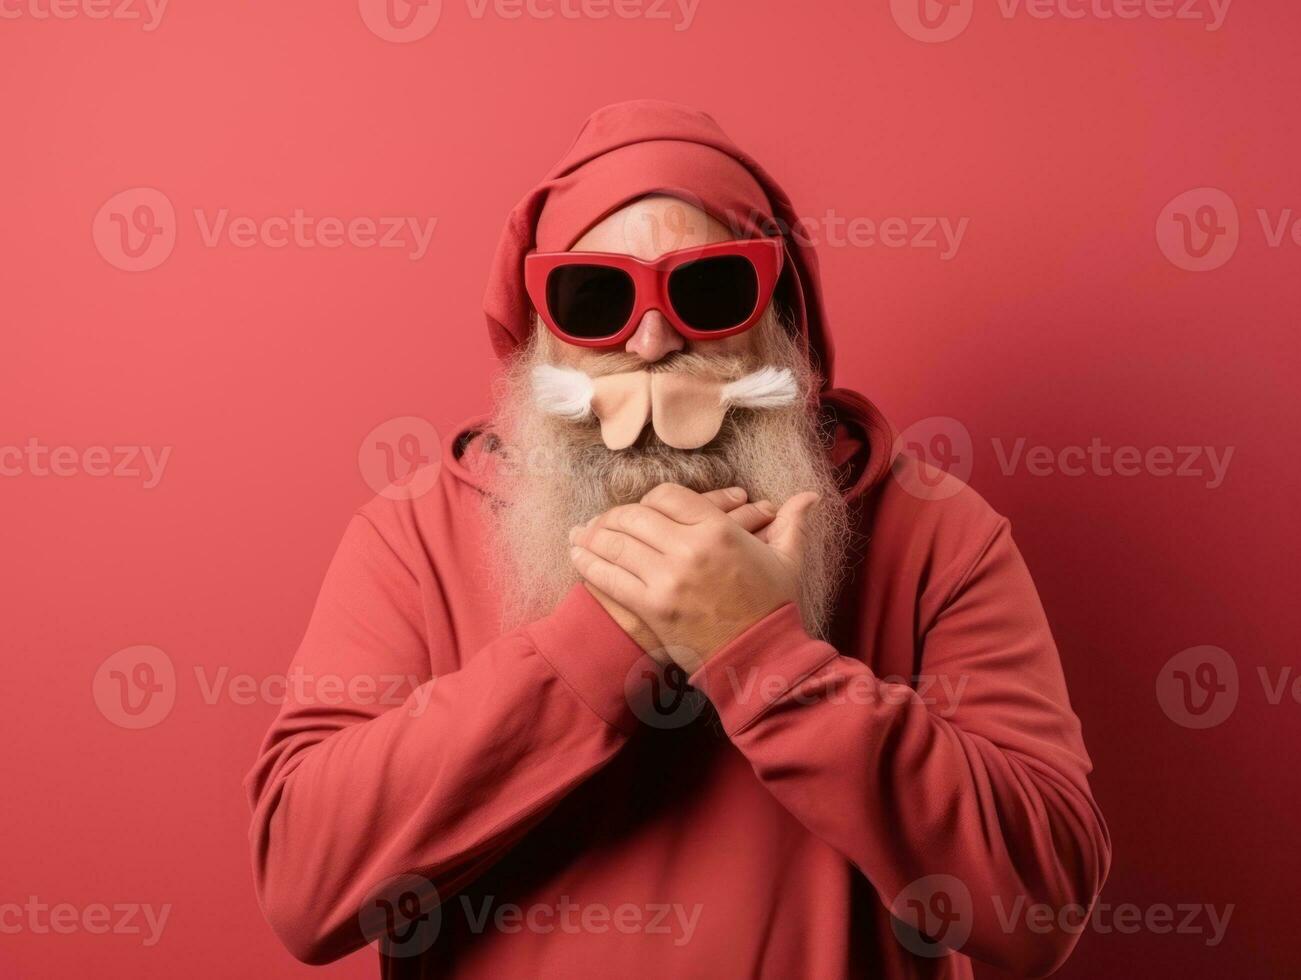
point(568, 392)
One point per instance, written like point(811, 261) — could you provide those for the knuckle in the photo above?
point(637, 518)
point(668, 608)
point(715, 533)
point(656, 494)
point(698, 568)
point(680, 586)
point(743, 513)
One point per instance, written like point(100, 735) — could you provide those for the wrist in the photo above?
point(721, 632)
point(629, 622)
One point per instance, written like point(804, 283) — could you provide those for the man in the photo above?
point(874, 770)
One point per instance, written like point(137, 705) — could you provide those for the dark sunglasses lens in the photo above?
point(589, 302)
point(714, 294)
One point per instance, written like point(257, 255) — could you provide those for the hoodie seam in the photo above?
point(979, 557)
point(537, 648)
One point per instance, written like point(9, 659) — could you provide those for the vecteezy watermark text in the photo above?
point(404, 914)
point(136, 230)
point(301, 230)
point(405, 21)
point(574, 918)
point(301, 687)
point(64, 918)
point(1126, 918)
point(945, 447)
point(149, 12)
point(137, 687)
point(1100, 459)
point(940, 234)
point(35, 459)
point(937, 21)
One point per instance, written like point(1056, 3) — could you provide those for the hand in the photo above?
point(730, 501)
point(693, 575)
point(630, 624)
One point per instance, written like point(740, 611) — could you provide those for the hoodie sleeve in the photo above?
point(963, 794)
point(375, 769)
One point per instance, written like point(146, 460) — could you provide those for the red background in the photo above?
point(1059, 320)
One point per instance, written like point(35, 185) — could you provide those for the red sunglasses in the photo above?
point(597, 299)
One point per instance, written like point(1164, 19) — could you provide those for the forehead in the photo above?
point(651, 226)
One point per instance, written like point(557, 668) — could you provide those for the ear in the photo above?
point(566, 392)
point(769, 387)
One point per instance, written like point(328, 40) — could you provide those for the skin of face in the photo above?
point(648, 228)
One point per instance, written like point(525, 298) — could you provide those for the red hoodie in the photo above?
point(926, 761)
point(544, 804)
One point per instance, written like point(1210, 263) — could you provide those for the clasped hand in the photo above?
point(684, 573)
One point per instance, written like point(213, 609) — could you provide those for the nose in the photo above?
point(655, 338)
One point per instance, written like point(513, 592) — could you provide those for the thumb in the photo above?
point(787, 533)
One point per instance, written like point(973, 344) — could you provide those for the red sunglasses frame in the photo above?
point(651, 281)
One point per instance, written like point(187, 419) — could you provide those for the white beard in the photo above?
point(566, 475)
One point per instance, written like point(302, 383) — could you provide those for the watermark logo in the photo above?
point(943, 447)
point(402, 914)
point(946, 452)
point(301, 687)
point(932, 21)
point(667, 231)
point(1198, 688)
point(1199, 230)
point(933, 915)
point(135, 687)
point(659, 694)
point(400, 459)
point(135, 230)
point(401, 21)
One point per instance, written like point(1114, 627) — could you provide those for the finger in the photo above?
point(754, 517)
point(647, 525)
point(770, 533)
point(620, 585)
point(682, 505)
point(727, 499)
point(619, 549)
point(787, 532)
